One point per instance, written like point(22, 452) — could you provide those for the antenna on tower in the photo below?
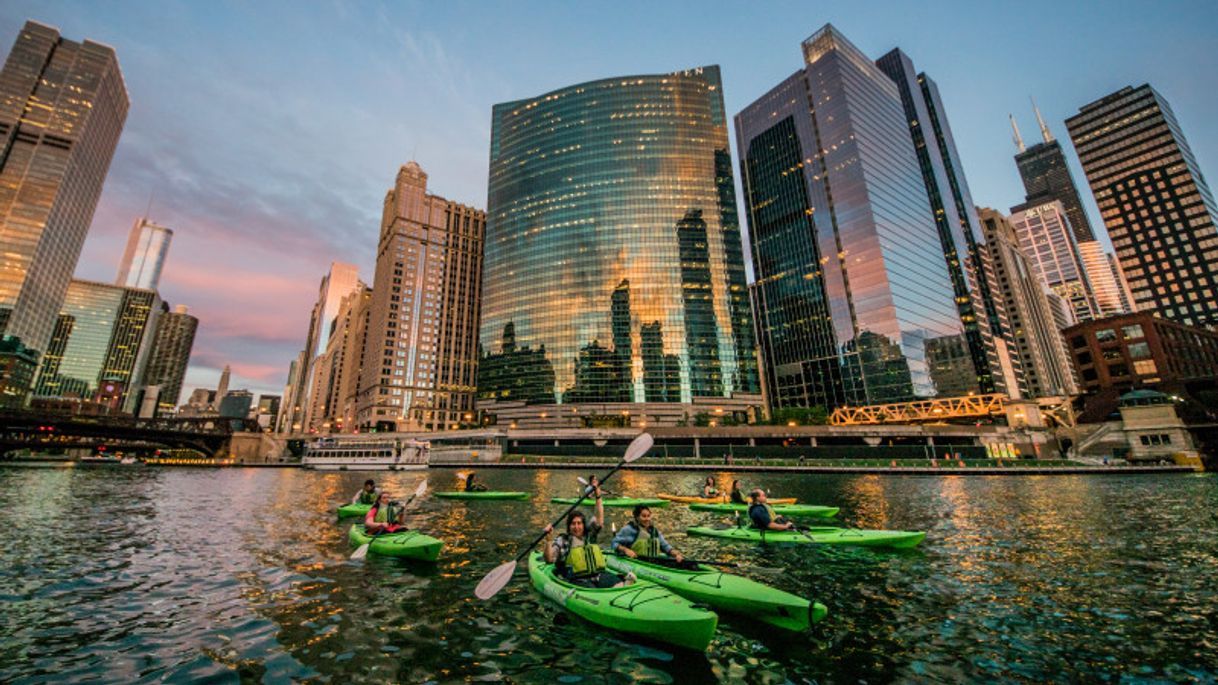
point(1044, 130)
point(1018, 140)
point(148, 209)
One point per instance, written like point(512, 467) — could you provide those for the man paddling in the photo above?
point(575, 555)
point(366, 494)
point(639, 537)
point(763, 515)
point(385, 516)
point(471, 485)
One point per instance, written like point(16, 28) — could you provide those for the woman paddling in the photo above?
point(385, 516)
point(576, 556)
point(709, 489)
point(737, 494)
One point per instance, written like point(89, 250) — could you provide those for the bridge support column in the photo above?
point(697, 448)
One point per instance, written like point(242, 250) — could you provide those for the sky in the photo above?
point(266, 134)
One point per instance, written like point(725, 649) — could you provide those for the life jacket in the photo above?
point(386, 514)
point(583, 560)
point(738, 497)
point(774, 517)
point(646, 544)
point(710, 492)
point(366, 497)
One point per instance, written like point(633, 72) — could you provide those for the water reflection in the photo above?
point(159, 574)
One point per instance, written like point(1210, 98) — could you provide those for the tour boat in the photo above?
point(333, 454)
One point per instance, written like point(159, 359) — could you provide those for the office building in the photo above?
point(175, 337)
point(1045, 236)
point(1108, 285)
point(62, 108)
point(236, 404)
point(955, 217)
point(144, 257)
point(18, 364)
point(1155, 202)
point(855, 302)
point(1046, 177)
point(422, 335)
point(1139, 350)
point(1045, 365)
point(612, 215)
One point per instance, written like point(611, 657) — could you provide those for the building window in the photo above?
point(1133, 332)
point(1116, 370)
point(1105, 334)
point(1139, 350)
point(1145, 367)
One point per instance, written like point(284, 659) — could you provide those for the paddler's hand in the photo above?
point(678, 557)
point(549, 529)
point(631, 553)
point(597, 492)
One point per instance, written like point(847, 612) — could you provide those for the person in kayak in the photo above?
point(640, 538)
point(737, 494)
point(385, 516)
point(763, 515)
point(593, 483)
point(367, 494)
point(709, 489)
point(471, 485)
point(575, 555)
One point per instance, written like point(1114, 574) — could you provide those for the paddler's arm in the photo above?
point(548, 550)
point(600, 507)
point(624, 539)
point(669, 549)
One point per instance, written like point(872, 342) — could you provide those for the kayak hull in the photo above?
point(810, 510)
point(615, 501)
point(349, 510)
point(409, 544)
point(897, 539)
point(488, 494)
point(724, 591)
point(687, 499)
point(642, 608)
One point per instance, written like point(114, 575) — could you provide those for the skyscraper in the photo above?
point(1044, 360)
point(612, 212)
point(1045, 236)
point(1159, 211)
point(855, 302)
point(175, 337)
point(147, 248)
point(341, 279)
point(1107, 283)
point(62, 108)
point(1046, 177)
point(422, 336)
point(951, 207)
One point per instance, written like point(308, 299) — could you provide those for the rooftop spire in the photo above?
point(1044, 130)
point(1016, 138)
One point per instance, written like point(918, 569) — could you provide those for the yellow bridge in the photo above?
point(920, 411)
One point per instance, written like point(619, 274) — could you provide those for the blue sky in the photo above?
point(266, 134)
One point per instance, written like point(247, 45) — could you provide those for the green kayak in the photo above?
point(900, 539)
point(408, 543)
point(349, 510)
point(641, 608)
point(781, 509)
point(484, 494)
point(723, 591)
point(615, 501)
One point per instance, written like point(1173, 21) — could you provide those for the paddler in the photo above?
point(593, 483)
point(763, 515)
point(709, 489)
point(471, 485)
point(366, 494)
point(640, 538)
point(385, 516)
point(737, 494)
point(575, 555)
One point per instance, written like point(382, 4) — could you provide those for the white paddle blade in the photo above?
point(581, 480)
point(418, 492)
point(638, 447)
point(495, 580)
point(361, 551)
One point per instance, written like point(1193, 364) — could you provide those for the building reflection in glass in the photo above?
point(613, 248)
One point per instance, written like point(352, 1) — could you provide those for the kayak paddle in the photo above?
point(362, 551)
point(586, 484)
point(493, 582)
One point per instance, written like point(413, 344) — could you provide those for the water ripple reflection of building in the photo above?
point(614, 271)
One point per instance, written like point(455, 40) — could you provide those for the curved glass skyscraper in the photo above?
point(614, 274)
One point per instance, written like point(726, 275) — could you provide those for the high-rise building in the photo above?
point(356, 312)
point(18, 364)
point(855, 302)
point(103, 337)
point(222, 386)
point(175, 337)
point(235, 404)
point(1155, 202)
point(612, 215)
point(953, 212)
point(147, 248)
point(1046, 177)
point(1045, 237)
point(422, 335)
point(1044, 361)
point(1104, 276)
point(337, 368)
point(62, 108)
point(290, 409)
point(341, 279)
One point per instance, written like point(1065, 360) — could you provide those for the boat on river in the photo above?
point(335, 454)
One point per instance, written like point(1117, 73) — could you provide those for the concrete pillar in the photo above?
point(812, 441)
point(697, 448)
point(752, 442)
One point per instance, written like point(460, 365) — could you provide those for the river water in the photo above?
point(135, 574)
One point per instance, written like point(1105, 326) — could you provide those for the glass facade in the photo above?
point(1045, 237)
point(854, 301)
point(175, 337)
point(62, 107)
point(147, 248)
point(614, 270)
